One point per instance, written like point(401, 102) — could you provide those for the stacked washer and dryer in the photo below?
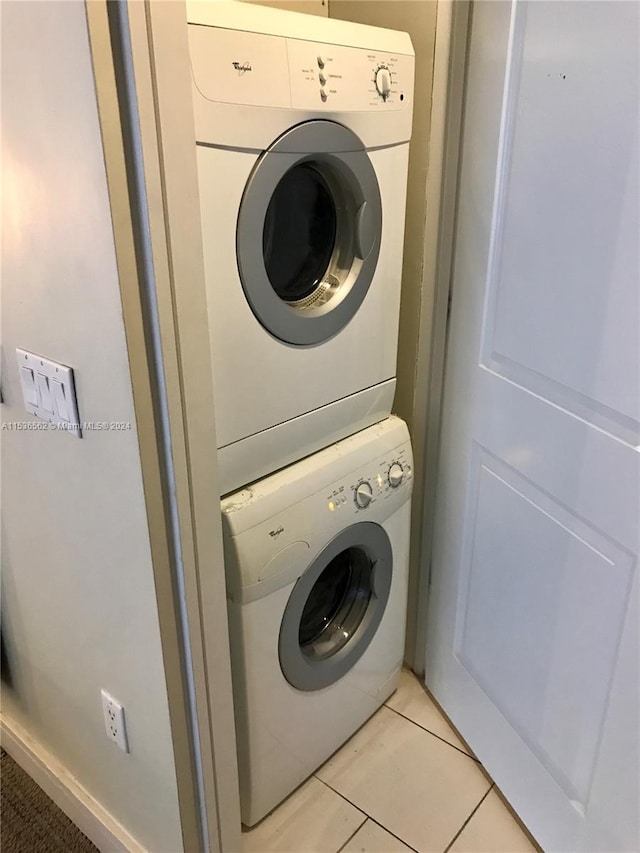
point(302, 132)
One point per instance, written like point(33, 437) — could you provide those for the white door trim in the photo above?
point(142, 69)
point(450, 51)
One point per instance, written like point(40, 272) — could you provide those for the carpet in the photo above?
point(29, 821)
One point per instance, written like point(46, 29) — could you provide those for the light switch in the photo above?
point(44, 394)
point(49, 391)
point(59, 400)
point(29, 390)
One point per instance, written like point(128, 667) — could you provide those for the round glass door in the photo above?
point(335, 608)
point(336, 605)
point(308, 233)
point(299, 235)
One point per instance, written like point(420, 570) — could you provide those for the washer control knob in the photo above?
point(395, 475)
point(364, 494)
point(383, 82)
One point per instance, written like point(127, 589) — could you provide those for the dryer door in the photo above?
point(308, 232)
point(336, 606)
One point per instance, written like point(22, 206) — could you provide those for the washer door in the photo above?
point(308, 233)
point(335, 608)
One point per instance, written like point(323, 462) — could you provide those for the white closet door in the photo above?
point(533, 615)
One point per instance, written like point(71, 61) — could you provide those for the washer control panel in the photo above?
point(380, 482)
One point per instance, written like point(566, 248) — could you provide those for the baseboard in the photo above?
point(89, 816)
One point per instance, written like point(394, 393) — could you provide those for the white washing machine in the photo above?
point(316, 558)
point(302, 129)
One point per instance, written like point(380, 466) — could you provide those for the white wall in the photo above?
point(78, 600)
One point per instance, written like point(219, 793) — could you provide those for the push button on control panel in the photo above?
point(322, 79)
point(323, 95)
point(320, 62)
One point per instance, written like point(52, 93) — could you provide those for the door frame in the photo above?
point(453, 22)
point(141, 67)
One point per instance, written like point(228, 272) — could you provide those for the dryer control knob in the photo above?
point(364, 494)
point(383, 82)
point(395, 475)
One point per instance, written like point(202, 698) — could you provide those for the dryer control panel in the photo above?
point(254, 69)
point(346, 78)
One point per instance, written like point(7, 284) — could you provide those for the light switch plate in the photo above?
point(49, 391)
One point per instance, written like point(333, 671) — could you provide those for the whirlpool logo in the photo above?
point(242, 67)
point(275, 533)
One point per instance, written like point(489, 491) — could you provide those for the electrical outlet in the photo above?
point(114, 724)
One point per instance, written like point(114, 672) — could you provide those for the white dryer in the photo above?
point(302, 130)
point(316, 558)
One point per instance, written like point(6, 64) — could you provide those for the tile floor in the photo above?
point(404, 782)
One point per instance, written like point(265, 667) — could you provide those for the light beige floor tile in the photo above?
point(372, 838)
point(314, 819)
point(492, 829)
point(412, 701)
point(414, 784)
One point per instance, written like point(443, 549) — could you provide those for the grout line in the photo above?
point(381, 825)
point(356, 830)
point(404, 717)
point(397, 837)
point(453, 840)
